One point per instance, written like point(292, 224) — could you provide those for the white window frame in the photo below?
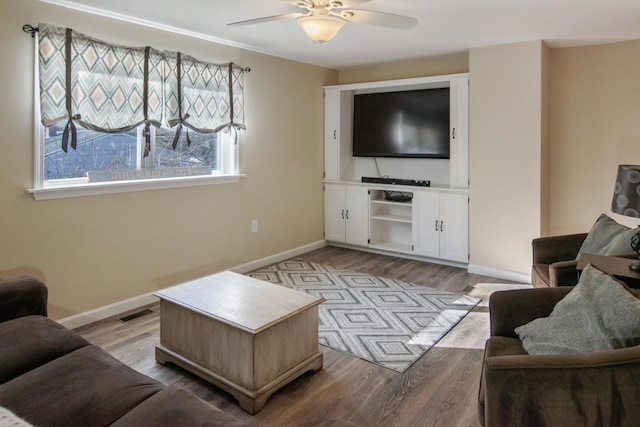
point(228, 172)
point(75, 187)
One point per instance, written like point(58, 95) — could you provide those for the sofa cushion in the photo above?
point(87, 387)
point(598, 314)
point(32, 341)
point(174, 406)
point(607, 237)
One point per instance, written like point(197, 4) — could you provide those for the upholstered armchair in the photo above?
point(599, 388)
point(554, 260)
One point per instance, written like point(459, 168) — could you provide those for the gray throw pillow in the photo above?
point(598, 314)
point(607, 237)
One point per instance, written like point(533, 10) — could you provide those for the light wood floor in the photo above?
point(440, 389)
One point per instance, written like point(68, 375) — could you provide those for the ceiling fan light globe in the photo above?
point(320, 28)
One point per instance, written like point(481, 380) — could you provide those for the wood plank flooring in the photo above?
point(440, 389)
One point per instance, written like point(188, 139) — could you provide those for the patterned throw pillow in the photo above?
point(598, 314)
point(9, 419)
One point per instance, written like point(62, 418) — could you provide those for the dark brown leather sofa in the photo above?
point(600, 388)
point(51, 376)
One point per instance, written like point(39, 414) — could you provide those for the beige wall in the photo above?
point(506, 138)
point(595, 126)
point(96, 250)
point(432, 66)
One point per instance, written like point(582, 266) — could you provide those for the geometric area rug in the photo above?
point(384, 321)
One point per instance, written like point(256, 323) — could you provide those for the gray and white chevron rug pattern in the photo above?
point(385, 321)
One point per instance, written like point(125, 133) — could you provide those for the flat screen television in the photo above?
point(411, 123)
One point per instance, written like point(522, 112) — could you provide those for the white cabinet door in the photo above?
point(334, 212)
point(346, 214)
point(357, 215)
point(454, 236)
point(426, 224)
point(459, 132)
point(331, 134)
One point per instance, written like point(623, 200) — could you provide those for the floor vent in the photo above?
point(135, 315)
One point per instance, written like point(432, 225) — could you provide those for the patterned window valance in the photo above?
point(110, 88)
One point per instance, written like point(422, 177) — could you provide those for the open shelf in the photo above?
point(394, 218)
point(391, 222)
point(389, 202)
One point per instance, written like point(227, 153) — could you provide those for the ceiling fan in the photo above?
point(324, 18)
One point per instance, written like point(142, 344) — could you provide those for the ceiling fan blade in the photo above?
point(381, 19)
point(266, 19)
point(306, 4)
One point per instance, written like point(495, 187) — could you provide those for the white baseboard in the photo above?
point(110, 310)
point(272, 259)
point(139, 301)
point(500, 274)
point(399, 255)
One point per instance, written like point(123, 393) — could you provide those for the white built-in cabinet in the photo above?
point(459, 132)
point(442, 229)
point(339, 165)
point(346, 214)
point(434, 223)
point(331, 142)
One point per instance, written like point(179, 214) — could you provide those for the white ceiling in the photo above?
point(445, 26)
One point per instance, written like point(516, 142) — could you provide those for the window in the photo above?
point(113, 114)
point(201, 152)
point(124, 151)
point(96, 151)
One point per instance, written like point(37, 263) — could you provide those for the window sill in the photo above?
point(92, 189)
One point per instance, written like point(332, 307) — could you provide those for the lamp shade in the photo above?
point(320, 28)
point(626, 193)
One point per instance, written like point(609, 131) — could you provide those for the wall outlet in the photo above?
point(254, 226)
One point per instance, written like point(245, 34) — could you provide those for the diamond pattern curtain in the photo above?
point(202, 98)
point(237, 96)
point(112, 88)
point(52, 66)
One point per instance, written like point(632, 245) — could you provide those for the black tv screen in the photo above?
point(402, 124)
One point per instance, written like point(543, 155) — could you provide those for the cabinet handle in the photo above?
point(335, 134)
point(347, 213)
point(436, 225)
point(441, 225)
point(453, 133)
point(342, 213)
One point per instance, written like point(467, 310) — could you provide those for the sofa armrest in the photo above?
point(547, 250)
point(583, 360)
point(22, 296)
point(510, 309)
point(564, 273)
point(598, 388)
